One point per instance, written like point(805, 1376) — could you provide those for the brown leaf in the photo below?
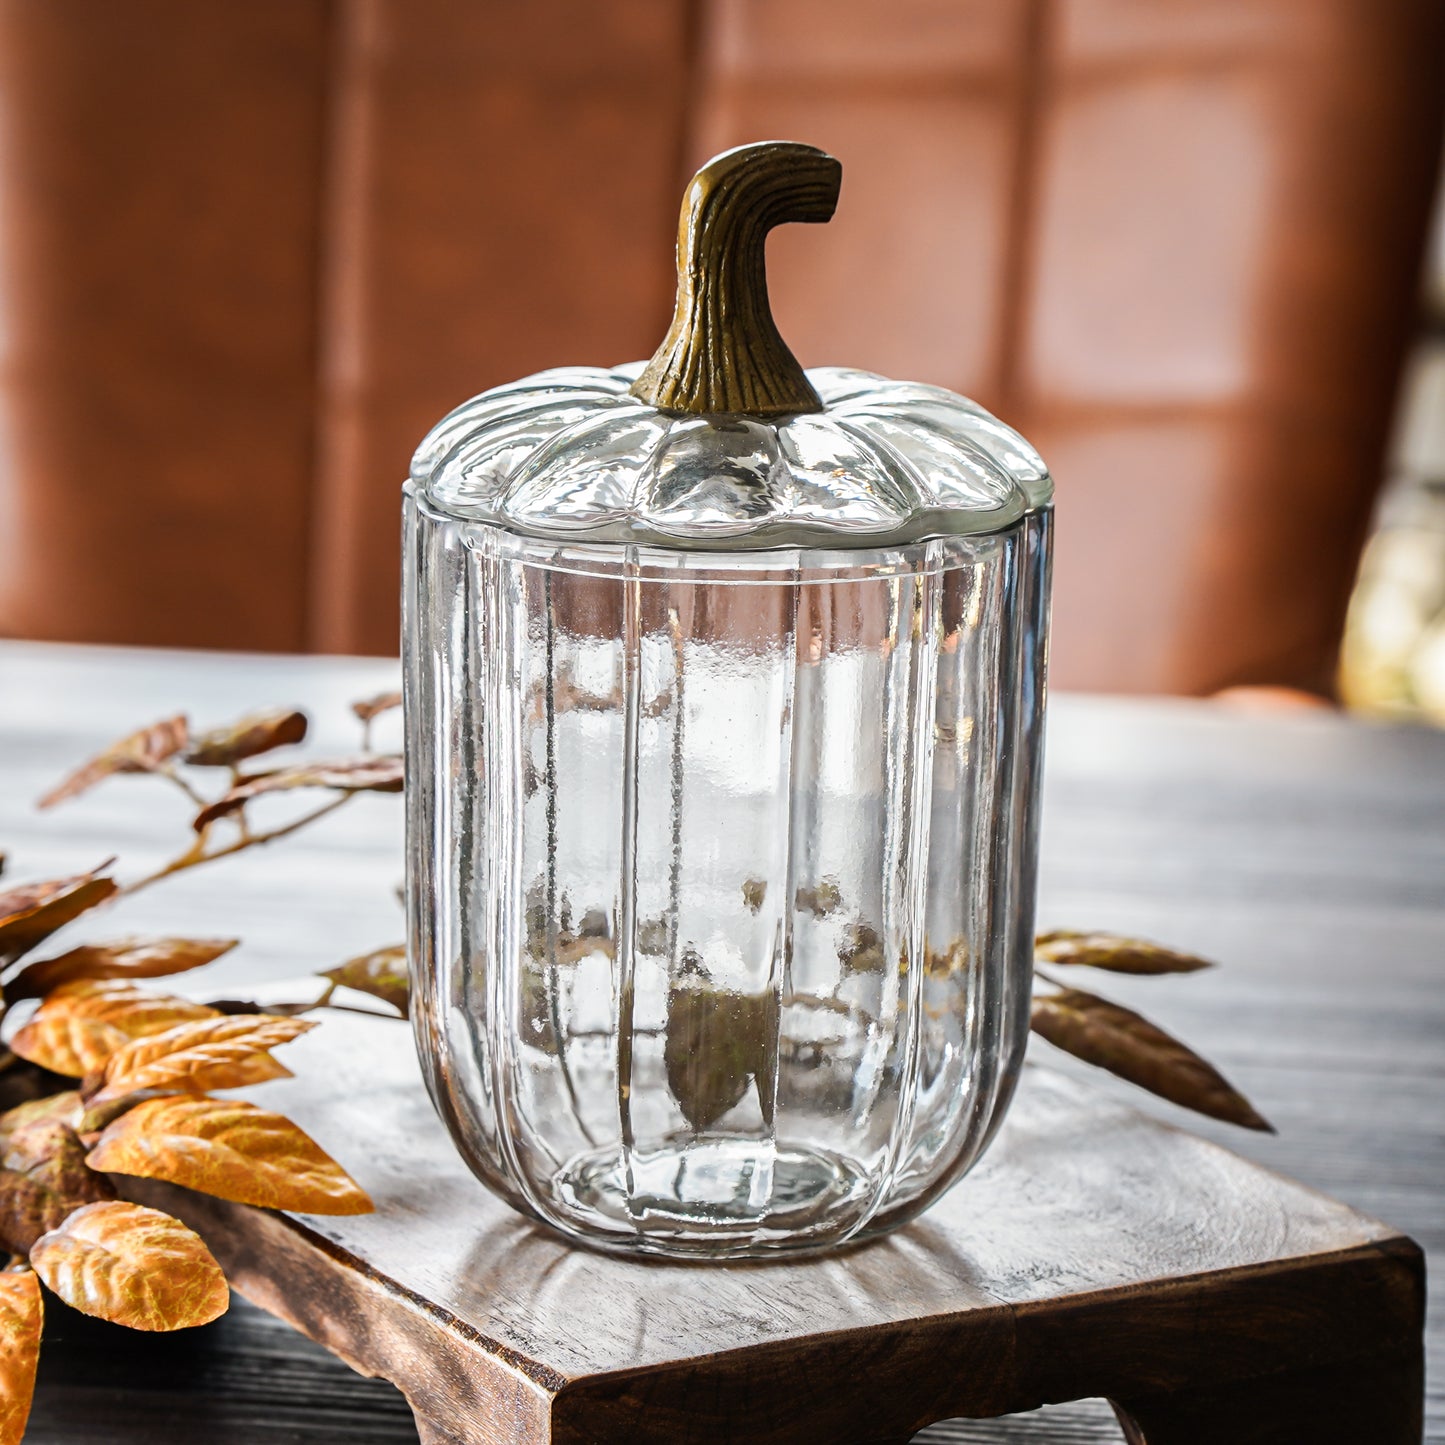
point(68, 1044)
point(718, 1043)
point(125, 958)
point(30, 914)
point(257, 732)
point(141, 752)
point(232, 1150)
point(382, 974)
point(44, 1177)
point(80, 1025)
point(64, 1107)
point(1118, 955)
point(221, 1053)
point(133, 1266)
point(135, 1011)
point(257, 1068)
point(1119, 1040)
point(22, 1313)
point(347, 775)
point(370, 707)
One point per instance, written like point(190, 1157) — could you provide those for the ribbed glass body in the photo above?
point(721, 871)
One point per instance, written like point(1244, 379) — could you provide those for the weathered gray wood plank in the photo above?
point(1306, 853)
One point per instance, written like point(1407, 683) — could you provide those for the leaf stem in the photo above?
point(168, 770)
point(371, 1013)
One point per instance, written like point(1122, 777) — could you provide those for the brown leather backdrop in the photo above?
point(248, 252)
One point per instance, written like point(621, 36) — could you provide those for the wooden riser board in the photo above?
point(1094, 1252)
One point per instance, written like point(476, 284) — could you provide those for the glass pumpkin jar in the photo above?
point(724, 700)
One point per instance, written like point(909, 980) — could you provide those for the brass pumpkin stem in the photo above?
point(722, 355)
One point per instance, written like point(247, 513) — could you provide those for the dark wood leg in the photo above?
point(1379, 1400)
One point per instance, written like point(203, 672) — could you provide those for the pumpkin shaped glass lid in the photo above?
point(722, 441)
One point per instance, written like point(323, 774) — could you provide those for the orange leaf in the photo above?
point(141, 752)
point(44, 1177)
point(221, 1053)
point(133, 1266)
point(125, 958)
point(136, 1012)
point(257, 732)
point(68, 1044)
point(370, 707)
point(30, 914)
point(232, 1150)
point(22, 1312)
point(381, 973)
point(348, 775)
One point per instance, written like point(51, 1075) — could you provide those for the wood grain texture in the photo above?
point(1304, 853)
point(1078, 1259)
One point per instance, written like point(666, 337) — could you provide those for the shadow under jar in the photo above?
point(724, 695)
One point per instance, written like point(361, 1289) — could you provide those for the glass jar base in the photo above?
point(714, 1197)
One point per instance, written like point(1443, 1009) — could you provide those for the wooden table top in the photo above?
point(1305, 852)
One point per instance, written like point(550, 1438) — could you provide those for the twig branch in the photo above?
point(197, 854)
point(168, 770)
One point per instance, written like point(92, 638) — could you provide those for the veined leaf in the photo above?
point(251, 1068)
point(348, 775)
point(382, 974)
point(232, 1150)
point(133, 1266)
point(222, 1053)
point(135, 1011)
point(22, 1313)
point(44, 1177)
point(125, 958)
point(1119, 1040)
point(30, 914)
point(81, 1024)
point(140, 752)
point(62, 1107)
point(257, 732)
point(1109, 951)
point(68, 1044)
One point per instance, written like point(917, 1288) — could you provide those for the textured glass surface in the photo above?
point(571, 453)
point(721, 863)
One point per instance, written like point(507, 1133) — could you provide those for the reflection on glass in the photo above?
point(721, 871)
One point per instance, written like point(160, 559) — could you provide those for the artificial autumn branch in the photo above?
point(117, 1079)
